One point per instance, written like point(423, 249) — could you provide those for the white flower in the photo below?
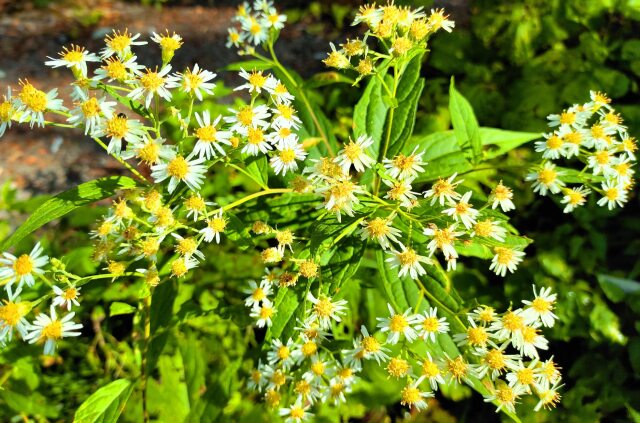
point(256, 81)
point(12, 314)
point(397, 325)
point(614, 195)
point(412, 396)
point(528, 341)
point(443, 239)
point(505, 258)
point(501, 196)
point(281, 135)
point(117, 128)
point(116, 69)
point(401, 191)
point(325, 309)
point(569, 118)
point(7, 111)
point(153, 82)
point(248, 117)
point(187, 247)
point(209, 137)
point(408, 261)
point(279, 92)
point(601, 162)
point(215, 226)
point(368, 14)
point(524, 376)
point(438, 20)
point(494, 362)
point(119, 43)
point(179, 169)
point(234, 38)
point(281, 353)
point(49, 329)
point(284, 160)
point(404, 167)
point(32, 103)
point(67, 297)
point(21, 270)
point(490, 229)
point(370, 348)
point(506, 397)
point(296, 413)
point(541, 308)
point(546, 179)
point(263, 314)
point(552, 148)
point(429, 325)
point(381, 230)
point(284, 115)
point(475, 336)
point(355, 153)
point(621, 169)
point(256, 31)
point(148, 150)
point(462, 211)
point(273, 19)
point(91, 112)
point(443, 189)
point(257, 293)
point(508, 326)
point(256, 141)
point(574, 197)
point(75, 58)
point(549, 396)
point(431, 370)
point(196, 81)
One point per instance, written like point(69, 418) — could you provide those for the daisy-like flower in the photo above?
point(355, 153)
point(505, 396)
point(403, 167)
point(215, 226)
point(196, 81)
point(462, 211)
point(548, 373)
point(257, 32)
point(599, 136)
point(398, 325)
point(318, 369)
point(546, 179)
point(33, 103)
point(598, 100)
point(119, 43)
point(501, 196)
point(431, 371)
point(248, 117)
point(628, 145)
point(528, 341)
point(437, 20)
point(428, 325)
point(541, 307)
point(196, 205)
point(325, 309)
point(12, 317)
point(572, 141)
point(284, 159)
point(399, 368)
point(381, 230)
point(75, 58)
point(306, 350)
point(281, 135)
point(475, 336)
point(169, 43)
point(336, 392)
point(408, 261)
point(614, 195)
point(181, 266)
point(488, 228)
point(370, 14)
point(505, 258)
point(370, 348)
point(263, 314)
point(524, 376)
point(257, 379)
point(180, 169)
point(50, 330)
point(147, 150)
point(279, 92)
point(601, 162)
point(285, 116)
point(336, 58)
point(296, 413)
point(569, 118)
point(91, 112)
point(116, 69)
point(412, 396)
point(256, 141)
point(549, 397)
point(443, 239)
point(21, 270)
point(307, 391)
point(117, 128)
point(276, 377)
point(7, 111)
point(509, 326)
point(484, 315)
point(621, 169)
point(257, 293)
point(457, 369)
point(274, 20)
point(153, 82)
point(67, 297)
point(340, 195)
point(443, 189)
point(209, 137)
point(187, 247)
point(256, 81)
point(574, 197)
point(494, 362)
point(401, 191)
point(234, 38)
point(552, 147)
point(280, 353)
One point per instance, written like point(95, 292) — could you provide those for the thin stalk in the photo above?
point(256, 195)
point(123, 162)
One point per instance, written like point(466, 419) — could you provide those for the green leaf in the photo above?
point(258, 168)
point(617, 289)
point(370, 113)
point(248, 65)
point(106, 404)
point(161, 312)
point(67, 201)
point(500, 141)
point(327, 78)
point(117, 308)
point(465, 124)
point(344, 263)
point(442, 153)
point(286, 304)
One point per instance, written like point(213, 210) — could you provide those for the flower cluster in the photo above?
point(256, 24)
point(400, 29)
point(594, 135)
point(16, 272)
point(501, 350)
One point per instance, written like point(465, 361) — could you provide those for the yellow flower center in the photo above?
point(23, 265)
point(91, 107)
point(75, 55)
point(403, 162)
point(512, 322)
point(318, 368)
point(462, 208)
point(398, 323)
point(504, 255)
point(324, 307)
point(302, 388)
point(309, 348)
point(255, 136)
point(443, 237)
point(525, 376)
point(179, 267)
point(206, 133)
point(118, 42)
point(477, 336)
point(266, 312)
point(430, 369)
point(613, 118)
point(401, 46)
point(255, 29)
point(150, 153)
point(612, 193)
point(549, 398)
point(52, 331)
point(597, 131)
point(502, 192)
point(575, 198)
point(309, 269)
point(6, 111)
point(529, 334)
point(164, 216)
point(457, 367)
point(602, 157)
point(430, 324)
point(272, 397)
point(11, 313)
point(573, 138)
point(541, 305)
point(296, 412)
point(187, 246)
point(505, 395)
point(258, 294)
point(345, 373)
point(410, 395)
point(495, 360)
point(151, 81)
point(278, 378)
point(407, 257)
point(150, 246)
point(178, 168)
point(370, 344)
point(567, 118)
point(194, 203)
point(283, 352)
point(218, 224)
point(256, 376)
point(287, 155)
point(70, 294)
point(116, 69)
point(245, 115)
point(484, 228)
point(547, 176)
point(398, 367)
point(442, 187)
point(554, 142)
point(486, 315)
point(257, 79)
point(33, 98)
point(377, 227)
point(352, 151)
point(170, 44)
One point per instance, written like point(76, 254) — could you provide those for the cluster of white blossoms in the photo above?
point(399, 28)
point(593, 134)
point(300, 372)
point(256, 24)
point(16, 272)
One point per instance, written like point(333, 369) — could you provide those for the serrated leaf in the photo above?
point(65, 202)
point(465, 124)
point(106, 404)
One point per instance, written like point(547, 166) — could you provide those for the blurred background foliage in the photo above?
point(516, 61)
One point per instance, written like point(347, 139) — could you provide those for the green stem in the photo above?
point(383, 151)
point(123, 162)
point(250, 197)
